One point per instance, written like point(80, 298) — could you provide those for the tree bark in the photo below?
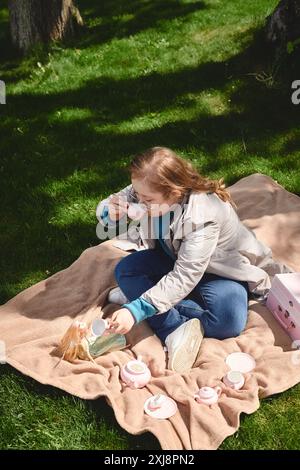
point(283, 25)
point(33, 21)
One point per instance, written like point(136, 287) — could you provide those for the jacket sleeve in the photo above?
point(194, 254)
point(102, 208)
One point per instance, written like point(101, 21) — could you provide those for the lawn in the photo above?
point(190, 75)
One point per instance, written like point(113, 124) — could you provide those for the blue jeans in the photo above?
point(221, 304)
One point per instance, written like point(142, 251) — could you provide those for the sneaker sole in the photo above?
point(185, 355)
point(115, 296)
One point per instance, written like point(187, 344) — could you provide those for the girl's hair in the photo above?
point(165, 172)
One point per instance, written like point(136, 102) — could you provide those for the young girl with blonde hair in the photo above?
point(194, 274)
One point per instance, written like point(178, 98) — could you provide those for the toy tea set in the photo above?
point(283, 301)
point(135, 374)
point(239, 363)
point(83, 342)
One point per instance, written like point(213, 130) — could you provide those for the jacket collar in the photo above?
point(179, 213)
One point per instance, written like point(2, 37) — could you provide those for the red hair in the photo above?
point(167, 173)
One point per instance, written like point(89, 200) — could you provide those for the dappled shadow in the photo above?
point(41, 147)
point(99, 408)
point(116, 19)
point(254, 109)
point(143, 441)
point(103, 21)
point(5, 52)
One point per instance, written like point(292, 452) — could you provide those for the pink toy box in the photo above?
point(284, 302)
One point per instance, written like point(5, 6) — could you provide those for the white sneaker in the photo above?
point(183, 345)
point(116, 296)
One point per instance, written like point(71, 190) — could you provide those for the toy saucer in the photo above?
point(167, 407)
point(241, 362)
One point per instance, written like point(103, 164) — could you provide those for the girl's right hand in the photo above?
point(117, 207)
point(121, 321)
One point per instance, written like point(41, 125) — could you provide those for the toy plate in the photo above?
point(241, 362)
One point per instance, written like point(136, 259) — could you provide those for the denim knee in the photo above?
point(236, 320)
point(189, 308)
point(229, 315)
point(120, 268)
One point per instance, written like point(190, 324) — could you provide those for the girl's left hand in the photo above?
point(122, 321)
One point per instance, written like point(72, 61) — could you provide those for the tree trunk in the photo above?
point(33, 21)
point(283, 25)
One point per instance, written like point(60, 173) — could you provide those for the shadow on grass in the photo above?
point(145, 441)
point(42, 145)
point(99, 408)
point(117, 19)
point(103, 21)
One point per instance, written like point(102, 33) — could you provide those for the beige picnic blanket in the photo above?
point(32, 323)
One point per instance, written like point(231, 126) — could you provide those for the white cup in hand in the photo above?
point(117, 207)
point(136, 211)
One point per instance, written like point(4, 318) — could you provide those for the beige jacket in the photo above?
point(214, 240)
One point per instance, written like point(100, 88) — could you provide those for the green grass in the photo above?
point(190, 75)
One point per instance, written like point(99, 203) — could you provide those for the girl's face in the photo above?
point(155, 202)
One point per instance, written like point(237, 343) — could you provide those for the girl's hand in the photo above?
point(122, 321)
point(117, 207)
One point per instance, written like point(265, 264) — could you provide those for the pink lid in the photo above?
point(206, 392)
point(167, 407)
point(136, 367)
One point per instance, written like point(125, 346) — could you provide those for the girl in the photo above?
point(194, 274)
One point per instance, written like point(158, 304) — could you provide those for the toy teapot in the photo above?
point(208, 395)
point(135, 374)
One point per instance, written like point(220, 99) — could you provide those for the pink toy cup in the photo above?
point(99, 326)
point(136, 211)
point(208, 395)
point(160, 406)
point(156, 402)
point(234, 379)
